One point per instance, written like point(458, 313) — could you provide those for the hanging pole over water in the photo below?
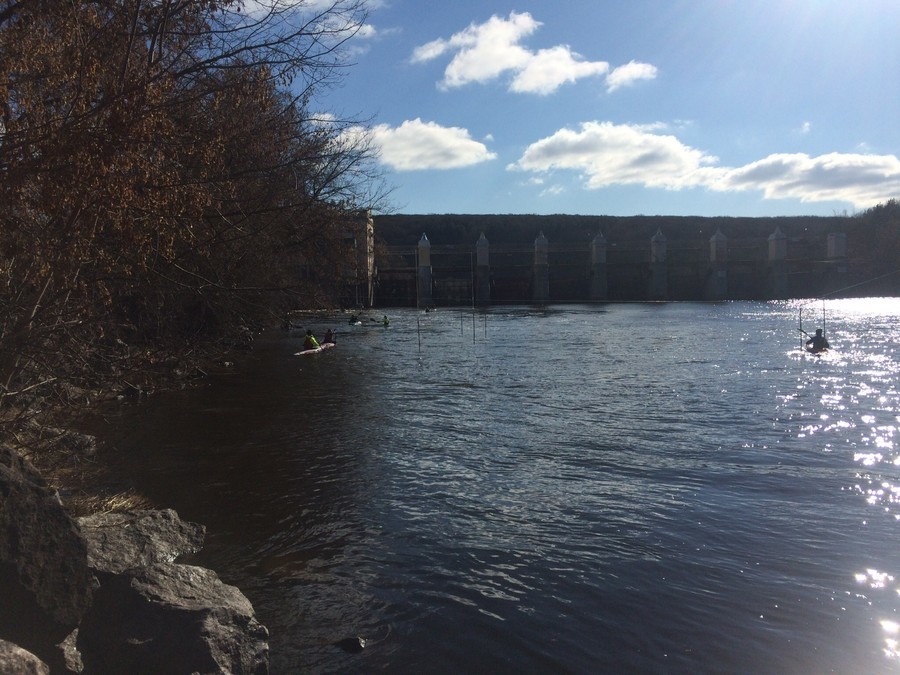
point(472, 278)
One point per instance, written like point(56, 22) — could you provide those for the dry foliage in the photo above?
point(161, 176)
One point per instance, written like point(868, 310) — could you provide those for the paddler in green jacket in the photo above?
point(310, 342)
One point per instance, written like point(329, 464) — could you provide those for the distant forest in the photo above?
point(873, 236)
point(457, 229)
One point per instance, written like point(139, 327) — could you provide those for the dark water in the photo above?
point(624, 488)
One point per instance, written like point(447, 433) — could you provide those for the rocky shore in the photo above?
point(105, 593)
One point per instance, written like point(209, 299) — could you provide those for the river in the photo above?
point(668, 487)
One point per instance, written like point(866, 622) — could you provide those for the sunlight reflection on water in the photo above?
point(868, 335)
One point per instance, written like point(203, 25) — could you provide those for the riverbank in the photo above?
point(75, 544)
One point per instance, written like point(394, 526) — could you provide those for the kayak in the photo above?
point(320, 348)
point(816, 352)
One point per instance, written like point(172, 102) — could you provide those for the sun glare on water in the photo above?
point(864, 306)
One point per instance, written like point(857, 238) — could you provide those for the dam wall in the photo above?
point(754, 259)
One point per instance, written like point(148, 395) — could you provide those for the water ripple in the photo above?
point(647, 488)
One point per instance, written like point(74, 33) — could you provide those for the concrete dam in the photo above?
point(575, 265)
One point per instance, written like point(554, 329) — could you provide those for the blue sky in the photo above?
point(608, 107)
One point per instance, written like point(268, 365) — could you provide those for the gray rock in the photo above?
point(119, 541)
point(15, 660)
point(42, 542)
point(170, 618)
point(71, 657)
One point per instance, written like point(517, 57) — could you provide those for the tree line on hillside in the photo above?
point(873, 234)
point(874, 238)
point(514, 229)
point(163, 177)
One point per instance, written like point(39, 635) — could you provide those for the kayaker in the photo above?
point(329, 336)
point(817, 343)
point(310, 342)
point(386, 321)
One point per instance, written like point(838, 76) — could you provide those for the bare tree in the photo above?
point(159, 168)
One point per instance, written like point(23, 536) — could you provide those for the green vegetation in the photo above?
point(163, 179)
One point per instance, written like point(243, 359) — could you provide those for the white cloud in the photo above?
point(258, 8)
point(322, 119)
point(616, 154)
point(805, 128)
point(548, 69)
point(628, 74)
point(330, 5)
point(367, 30)
point(608, 154)
point(333, 21)
point(416, 145)
point(862, 180)
point(553, 191)
point(485, 52)
point(429, 51)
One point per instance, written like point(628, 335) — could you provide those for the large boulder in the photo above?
point(119, 541)
point(170, 618)
point(41, 541)
point(18, 661)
